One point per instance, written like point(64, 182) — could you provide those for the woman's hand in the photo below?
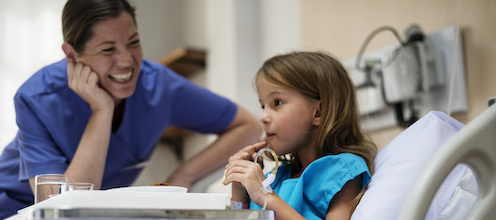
point(242, 173)
point(88, 163)
point(84, 82)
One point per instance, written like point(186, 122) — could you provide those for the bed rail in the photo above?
point(475, 146)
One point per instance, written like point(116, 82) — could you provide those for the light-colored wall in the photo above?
point(160, 25)
point(165, 25)
point(30, 37)
point(341, 26)
point(238, 36)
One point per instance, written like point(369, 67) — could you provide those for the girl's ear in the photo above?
point(69, 51)
point(317, 113)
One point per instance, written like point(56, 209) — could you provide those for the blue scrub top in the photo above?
point(51, 120)
point(311, 193)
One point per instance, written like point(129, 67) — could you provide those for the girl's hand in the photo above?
point(248, 153)
point(84, 82)
point(242, 173)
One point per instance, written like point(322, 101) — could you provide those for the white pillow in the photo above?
point(400, 162)
point(462, 200)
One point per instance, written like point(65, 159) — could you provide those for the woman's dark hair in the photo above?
point(79, 16)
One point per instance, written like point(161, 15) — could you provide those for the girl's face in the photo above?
point(289, 119)
point(114, 53)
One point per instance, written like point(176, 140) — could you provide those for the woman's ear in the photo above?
point(69, 51)
point(317, 113)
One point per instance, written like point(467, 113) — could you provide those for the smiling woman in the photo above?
point(98, 114)
point(114, 55)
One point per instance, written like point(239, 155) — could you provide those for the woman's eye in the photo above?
point(135, 43)
point(108, 50)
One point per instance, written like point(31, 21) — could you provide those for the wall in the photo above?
point(30, 37)
point(160, 26)
point(238, 36)
point(165, 25)
point(341, 26)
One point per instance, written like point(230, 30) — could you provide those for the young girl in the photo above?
point(311, 121)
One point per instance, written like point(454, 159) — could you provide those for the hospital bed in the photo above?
point(437, 168)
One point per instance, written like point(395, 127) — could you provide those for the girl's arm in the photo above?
point(339, 208)
point(283, 210)
point(342, 203)
point(243, 130)
point(242, 172)
point(240, 169)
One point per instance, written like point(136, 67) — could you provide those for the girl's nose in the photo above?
point(264, 118)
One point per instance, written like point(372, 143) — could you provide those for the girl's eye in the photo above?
point(277, 102)
point(263, 107)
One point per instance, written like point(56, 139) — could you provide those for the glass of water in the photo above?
point(49, 185)
point(79, 186)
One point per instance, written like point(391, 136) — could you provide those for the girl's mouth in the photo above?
point(121, 77)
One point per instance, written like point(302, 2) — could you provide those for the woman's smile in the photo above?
point(121, 78)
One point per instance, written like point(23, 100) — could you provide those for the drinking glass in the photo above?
point(49, 185)
point(79, 186)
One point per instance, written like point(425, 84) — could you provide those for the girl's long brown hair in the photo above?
point(320, 76)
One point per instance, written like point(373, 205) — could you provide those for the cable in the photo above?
point(454, 57)
point(270, 177)
point(369, 38)
point(452, 82)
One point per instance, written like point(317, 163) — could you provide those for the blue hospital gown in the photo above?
point(311, 193)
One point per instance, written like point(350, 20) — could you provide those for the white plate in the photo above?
point(177, 189)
